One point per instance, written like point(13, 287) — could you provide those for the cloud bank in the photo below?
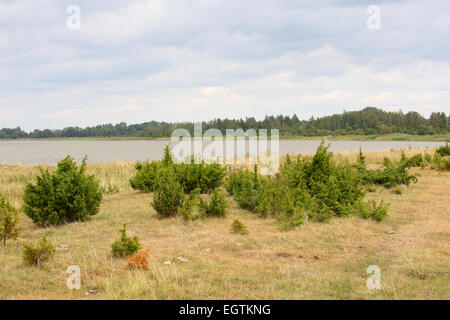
point(173, 60)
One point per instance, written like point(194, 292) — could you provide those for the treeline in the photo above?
point(364, 122)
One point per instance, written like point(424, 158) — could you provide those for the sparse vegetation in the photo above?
point(35, 255)
point(216, 205)
point(409, 245)
point(189, 205)
point(441, 159)
point(126, 245)
point(238, 227)
point(444, 150)
point(315, 189)
point(8, 221)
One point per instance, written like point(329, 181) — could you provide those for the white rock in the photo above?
point(183, 259)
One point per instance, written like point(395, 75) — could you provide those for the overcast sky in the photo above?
point(138, 61)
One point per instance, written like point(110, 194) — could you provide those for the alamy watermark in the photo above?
point(374, 20)
point(74, 280)
point(237, 147)
point(73, 21)
point(374, 281)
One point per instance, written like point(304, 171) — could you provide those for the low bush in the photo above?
point(443, 150)
point(191, 176)
point(64, 196)
point(393, 173)
point(306, 189)
point(236, 179)
point(441, 159)
point(205, 177)
point(289, 214)
point(388, 177)
point(251, 190)
point(147, 176)
point(238, 227)
point(370, 210)
point(169, 194)
point(189, 204)
point(215, 206)
point(440, 163)
point(418, 160)
point(8, 221)
point(139, 260)
point(35, 255)
point(322, 184)
point(125, 246)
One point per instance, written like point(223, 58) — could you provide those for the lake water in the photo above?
point(50, 152)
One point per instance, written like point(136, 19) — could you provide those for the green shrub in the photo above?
point(205, 177)
point(215, 206)
point(288, 214)
point(64, 196)
point(191, 176)
point(309, 188)
point(370, 210)
point(238, 227)
point(236, 179)
point(393, 174)
point(389, 177)
point(251, 191)
point(418, 160)
point(8, 221)
point(44, 250)
point(332, 185)
point(443, 150)
point(169, 194)
point(441, 163)
point(125, 246)
point(147, 176)
point(441, 159)
point(189, 204)
point(167, 159)
point(387, 163)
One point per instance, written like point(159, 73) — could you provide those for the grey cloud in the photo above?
point(271, 56)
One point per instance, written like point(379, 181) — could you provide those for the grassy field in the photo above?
point(314, 261)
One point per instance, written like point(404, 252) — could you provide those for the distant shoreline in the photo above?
point(387, 137)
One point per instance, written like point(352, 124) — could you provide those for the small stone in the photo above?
point(239, 243)
point(167, 262)
point(207, 249)
point(391, 232)
point(62, 247)
point(183, 259)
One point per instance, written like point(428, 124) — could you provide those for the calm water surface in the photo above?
point(50, 152)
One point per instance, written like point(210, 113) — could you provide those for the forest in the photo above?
point(369, 121)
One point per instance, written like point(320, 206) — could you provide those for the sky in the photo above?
point(195, 60)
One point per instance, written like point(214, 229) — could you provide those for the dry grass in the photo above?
point(314, 261)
